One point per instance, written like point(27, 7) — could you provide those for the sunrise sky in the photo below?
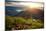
point(27, 4)
point(37, 4)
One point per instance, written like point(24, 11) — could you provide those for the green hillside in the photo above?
point(20, 23)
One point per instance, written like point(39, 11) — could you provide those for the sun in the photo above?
point(32, 5)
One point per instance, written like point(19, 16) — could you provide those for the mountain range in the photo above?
point(12, 11)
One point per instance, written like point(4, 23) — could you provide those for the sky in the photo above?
point(23, 4)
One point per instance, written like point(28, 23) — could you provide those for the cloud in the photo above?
point(24, 4)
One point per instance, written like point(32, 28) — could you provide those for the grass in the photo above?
point(19, 23)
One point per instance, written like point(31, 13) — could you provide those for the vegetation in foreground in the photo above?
point(19, 23)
